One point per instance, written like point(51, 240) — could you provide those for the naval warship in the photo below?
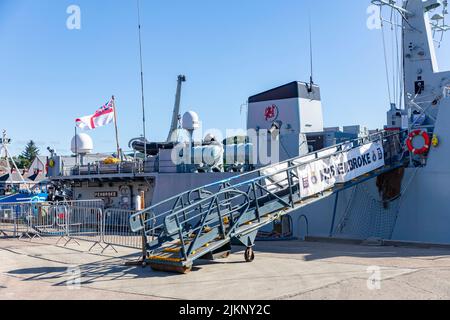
point(195, 198)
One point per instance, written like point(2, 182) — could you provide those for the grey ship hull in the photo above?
point(421, 214)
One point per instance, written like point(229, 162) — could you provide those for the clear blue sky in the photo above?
point(229, 50)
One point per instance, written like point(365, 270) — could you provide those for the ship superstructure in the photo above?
point(288, 114)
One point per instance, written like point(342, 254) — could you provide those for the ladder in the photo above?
point(204, 222)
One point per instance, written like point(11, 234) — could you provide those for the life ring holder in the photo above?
point(426, 146)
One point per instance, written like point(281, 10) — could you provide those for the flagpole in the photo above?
point(142, 81)
point(115, 125)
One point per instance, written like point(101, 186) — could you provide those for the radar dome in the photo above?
point(82, 144)
point(191, 121)
point(209, 138)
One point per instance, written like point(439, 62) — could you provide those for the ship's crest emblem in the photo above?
point(271, 113)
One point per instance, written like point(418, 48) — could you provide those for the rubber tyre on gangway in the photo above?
point(249, 254)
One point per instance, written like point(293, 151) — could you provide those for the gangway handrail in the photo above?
point(212, 205)
point(184, 212)
point(234, 188)
point(225, 184)
point(315, 153)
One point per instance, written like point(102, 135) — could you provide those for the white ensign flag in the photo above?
point(102, 117)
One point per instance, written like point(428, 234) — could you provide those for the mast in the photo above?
point(311, 57)
point(426, 104)
point(419, 77)
point(4, 144)
point(176, 109)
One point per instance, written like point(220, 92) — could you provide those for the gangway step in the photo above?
point(169, 259)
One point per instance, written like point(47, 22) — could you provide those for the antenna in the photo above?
point(311, 56)
point(5, 141)
point(142, 80)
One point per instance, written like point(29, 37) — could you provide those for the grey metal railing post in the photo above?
point(15, 221)
point(102, 228)
point(144, 241)
point(290, 182)
point(180, 234)
point(256, 201)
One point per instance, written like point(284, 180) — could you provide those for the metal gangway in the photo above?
point(204, 222)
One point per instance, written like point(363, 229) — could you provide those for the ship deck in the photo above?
point(282, 270)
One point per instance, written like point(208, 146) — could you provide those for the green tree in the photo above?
point(17, 161)
point(28, 155)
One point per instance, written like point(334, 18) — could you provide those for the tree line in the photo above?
point(26, 158)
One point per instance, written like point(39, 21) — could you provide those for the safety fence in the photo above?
point(117, 230)
point(73, 221)
point(14, 219)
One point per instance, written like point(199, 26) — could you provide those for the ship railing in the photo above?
point(153, 219)
point(128, 167)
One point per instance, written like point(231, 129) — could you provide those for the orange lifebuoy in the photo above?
point(426, 146)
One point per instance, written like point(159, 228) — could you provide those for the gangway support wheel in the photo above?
point(249, 254)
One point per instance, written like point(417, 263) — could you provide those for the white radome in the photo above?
point(209, 138)
point(82, 144)
point(191, 121)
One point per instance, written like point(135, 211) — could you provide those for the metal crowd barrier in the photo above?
point(85, 224)
point(71, 221)
point(48, 219)
point(117, 230)
point(16, 219)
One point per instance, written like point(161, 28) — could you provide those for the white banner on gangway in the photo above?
point(324, 174)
